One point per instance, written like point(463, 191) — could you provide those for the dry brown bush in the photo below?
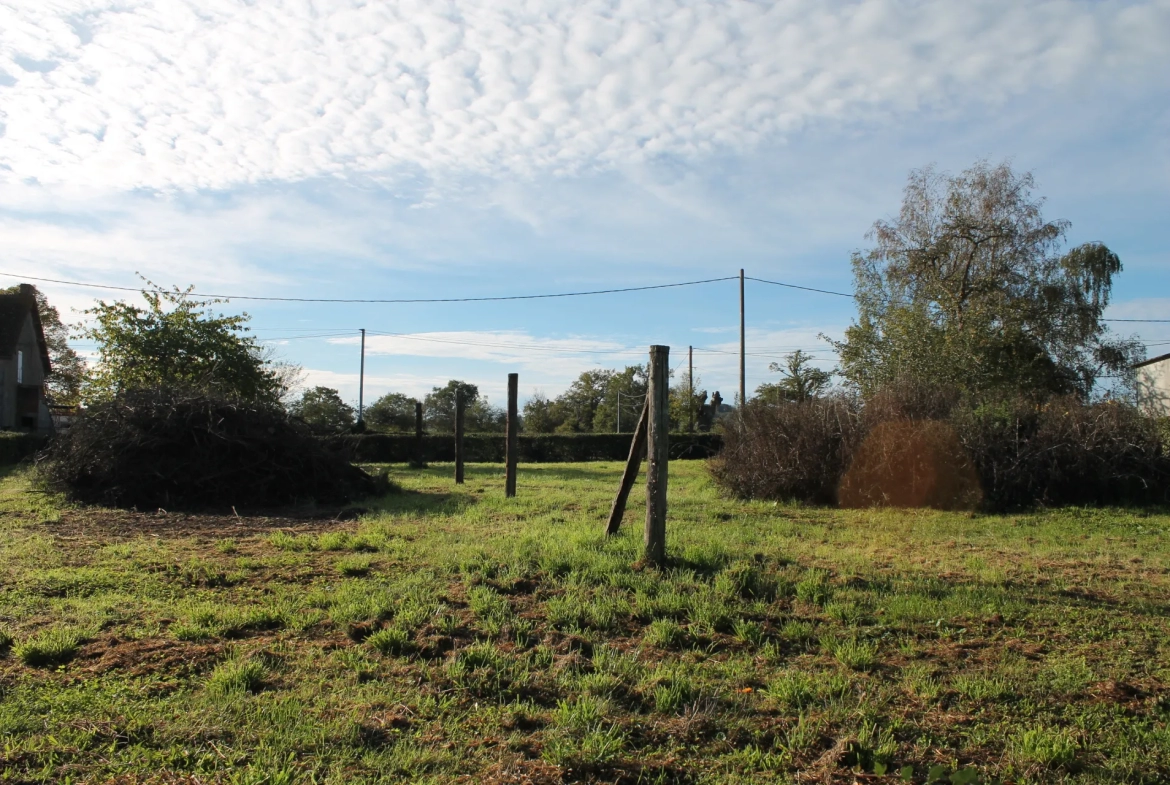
point(910, 447)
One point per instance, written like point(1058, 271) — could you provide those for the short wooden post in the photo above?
point(418, 433)
point(629, 475)
point(513, 444)
point(657, 453)
point(459, 437)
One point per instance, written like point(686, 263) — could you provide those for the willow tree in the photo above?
point(969, 288)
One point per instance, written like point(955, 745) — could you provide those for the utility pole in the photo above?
point(459, 406)
point(619, 418)
point(690, 389)
point(742, 350)
point(362, 377)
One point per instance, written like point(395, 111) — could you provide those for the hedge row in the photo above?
point(539, 448)
point(16, 446)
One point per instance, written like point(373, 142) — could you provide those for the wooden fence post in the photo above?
point(418, 434)
point(658, 453)
point(630, 474)
point(459, 437)
point(512, 445)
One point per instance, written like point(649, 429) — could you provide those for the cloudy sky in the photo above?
point(390, 150)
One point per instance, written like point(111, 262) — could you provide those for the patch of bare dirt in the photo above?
point(146, 656)
point(109, 524)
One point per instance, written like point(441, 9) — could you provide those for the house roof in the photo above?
point(14, 309)
point(1151, 361)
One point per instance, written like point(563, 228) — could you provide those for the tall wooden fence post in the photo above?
point(459, 437)
point(657, 453)
point(512, 446)
point(418, 434)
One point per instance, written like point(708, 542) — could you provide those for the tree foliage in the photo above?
point(392, 412)
point(177, 341)
point(63, 386)
point(802, 381)
point(323, 409)
point(967, 289)
point(479, 416)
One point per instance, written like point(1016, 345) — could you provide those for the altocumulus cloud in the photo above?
point(213, 94)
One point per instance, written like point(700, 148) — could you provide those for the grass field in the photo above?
point(453, 635)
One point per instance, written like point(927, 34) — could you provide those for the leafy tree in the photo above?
point(541, 415)
point(63, 386)
point(479, 416)
point(391, 412)
point(439, 405)
point(802, 381)
point(967, 289)
point(628, 386)
point(579, 403)
point(322, 408)
point(177, 341)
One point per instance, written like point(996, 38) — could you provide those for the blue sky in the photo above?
point(414, 150)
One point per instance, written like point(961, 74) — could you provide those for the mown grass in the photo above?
point(451, 634)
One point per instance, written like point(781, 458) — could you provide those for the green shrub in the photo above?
point(237, 676)
point(391, 641)
point(52, 646)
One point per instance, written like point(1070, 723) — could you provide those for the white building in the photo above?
point(1153, 385)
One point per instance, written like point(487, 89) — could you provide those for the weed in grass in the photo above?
point(52, 646)
point(711, 615)
point(981, 688)
point(227, 545)
point(848, 613)
point(1046, 747)
point(798, 632)
point(922, 682)
point(354, 566)
point(878, 744)
point(392, 641)
point(745, 580)
point(664, 634)
point(676, 694)
point(612, 660)
point(567, 612)
point(490, 608)
point(292, 542)
point(800, 736)
point(592, 748)
point(237, 676)
point(666, 604)
point(606, 610)
point(794, 689)
point(747, 632)
point(814, 587)
point(446, 623)
point(5, 641)
point(580, 714)
point(522, 632)
point(481, 669)
point(604, 685)
point(853, 653)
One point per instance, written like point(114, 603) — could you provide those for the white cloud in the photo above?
point(210, 93)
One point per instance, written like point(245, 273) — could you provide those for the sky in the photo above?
point(423, 150)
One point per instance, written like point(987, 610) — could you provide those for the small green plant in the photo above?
point(392, 641)
point(292, 542)
point(227, 545)
point(354, 566)
point(853, 653)
point(794, 689)
point(52, 646)
point(582, 713)
point(678, 692)
point(748, 632)
point(797, 632)
point(1048, 747)
point(664, 634)
point(711, 615)
point(237, 676)
point(5, 641)
point(814, 587)
point(981, 688)
point(567, 612)
point(595, 747)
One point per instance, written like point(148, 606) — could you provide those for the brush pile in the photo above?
point(176, 449)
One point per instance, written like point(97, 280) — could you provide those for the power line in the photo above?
point(794, 286)
point(1158, 321)
point(373, 300)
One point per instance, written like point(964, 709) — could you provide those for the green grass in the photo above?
point(451, 634)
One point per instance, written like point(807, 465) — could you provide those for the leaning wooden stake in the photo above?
point(512, 445)
point(657, 454)
point(631, 473)
point(459, 437)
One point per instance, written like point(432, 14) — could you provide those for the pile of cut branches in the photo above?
point(173, 449)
